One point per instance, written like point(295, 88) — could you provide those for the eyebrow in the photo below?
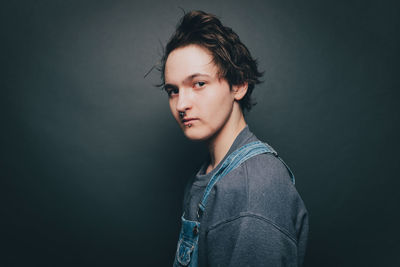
point(187, 79)
point(191, 77)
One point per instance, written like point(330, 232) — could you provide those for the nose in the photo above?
point(184, 101)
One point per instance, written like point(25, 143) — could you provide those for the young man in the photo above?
point(241, 208)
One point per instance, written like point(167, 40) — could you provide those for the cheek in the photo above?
point(218, 110)
point(222, 100)
point(172, 108)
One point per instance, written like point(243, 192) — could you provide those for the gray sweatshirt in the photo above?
point(254, 215)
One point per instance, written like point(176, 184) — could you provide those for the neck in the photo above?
point(219, 145)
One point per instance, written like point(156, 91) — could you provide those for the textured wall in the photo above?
point(93, 165)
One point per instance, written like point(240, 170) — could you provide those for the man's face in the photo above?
point(195, 90)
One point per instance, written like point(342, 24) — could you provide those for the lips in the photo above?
point(188, 121)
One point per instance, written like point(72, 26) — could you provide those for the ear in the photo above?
point(239, 91)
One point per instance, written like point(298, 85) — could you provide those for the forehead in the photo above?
point(185, 61)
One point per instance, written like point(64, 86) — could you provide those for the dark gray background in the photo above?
point(93, 165)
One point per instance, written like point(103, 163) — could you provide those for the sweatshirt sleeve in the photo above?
point(250, 240)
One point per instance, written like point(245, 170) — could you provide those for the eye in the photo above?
point(199, 84)
point(171, 91)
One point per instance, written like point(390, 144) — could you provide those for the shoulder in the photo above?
point(270, 186)
point(261, 186)
point(263, 175)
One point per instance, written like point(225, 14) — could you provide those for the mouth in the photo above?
point(188, 121)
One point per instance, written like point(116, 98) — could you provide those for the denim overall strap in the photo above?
point(187, 249)
point(234, 160)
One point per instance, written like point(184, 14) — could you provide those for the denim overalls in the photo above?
point(187, 250)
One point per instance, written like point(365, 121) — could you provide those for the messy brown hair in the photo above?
point(230, 55)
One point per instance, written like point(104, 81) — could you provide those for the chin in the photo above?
point(195, 134)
